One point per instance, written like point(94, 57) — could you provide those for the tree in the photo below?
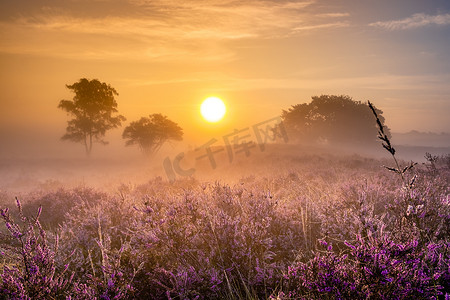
point(334, 119)
point(151, 133)
point(94, 110)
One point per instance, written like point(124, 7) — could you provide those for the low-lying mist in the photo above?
point(112, 165)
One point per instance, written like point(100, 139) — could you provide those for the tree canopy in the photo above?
point(151, 133)
point(334, 119)
point(94, 111)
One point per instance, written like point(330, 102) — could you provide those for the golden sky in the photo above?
point(167, 56)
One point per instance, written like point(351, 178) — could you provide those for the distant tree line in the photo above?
point(327, 119)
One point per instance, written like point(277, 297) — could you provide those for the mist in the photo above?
point(41, 160)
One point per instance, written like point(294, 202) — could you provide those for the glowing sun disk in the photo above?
point(213, 109)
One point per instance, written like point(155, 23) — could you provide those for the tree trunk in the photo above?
point(90, 143)
point(86, 145)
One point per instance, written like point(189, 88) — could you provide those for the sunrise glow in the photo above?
point(264, 149)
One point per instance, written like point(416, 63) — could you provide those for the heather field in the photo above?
point(223, 149)
point(304, 226)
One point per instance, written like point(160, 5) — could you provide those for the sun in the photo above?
point(213, 109)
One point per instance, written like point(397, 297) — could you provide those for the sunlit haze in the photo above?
point(262, 57)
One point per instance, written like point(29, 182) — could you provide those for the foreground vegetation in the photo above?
point(329, 228)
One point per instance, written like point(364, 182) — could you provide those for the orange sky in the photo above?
point(166, 56)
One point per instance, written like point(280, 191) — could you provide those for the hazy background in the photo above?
point(260, 57)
